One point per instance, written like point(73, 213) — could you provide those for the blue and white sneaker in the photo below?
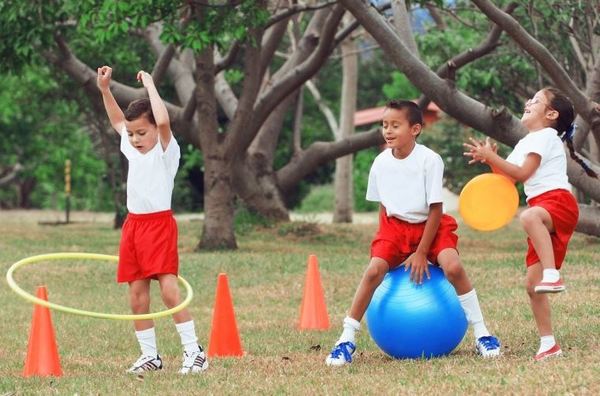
point(488, 346)
point(341, 354)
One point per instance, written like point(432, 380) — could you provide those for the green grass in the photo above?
point(266, 278)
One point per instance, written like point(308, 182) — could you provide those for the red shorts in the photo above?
point(397, 239)
point(148, 246)
point(563, 209)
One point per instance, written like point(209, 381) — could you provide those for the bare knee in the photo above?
point(374, 273)
point(170, 295)
point(453, 269)
point(530, 284)
point(528, 218)
point(139, 301)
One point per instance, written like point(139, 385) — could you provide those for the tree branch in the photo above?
point(326, 110)
point(162, 64)
point(496, 123)
point(11, 175)
point(541, 54)
point(320, 153)
point(295, 9)
point(295, 77)
point(489, 44)
point(270, 42)
point(238, 137)
point(227, 60)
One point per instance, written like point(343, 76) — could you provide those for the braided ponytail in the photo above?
point(568, 138)
point(565, 126)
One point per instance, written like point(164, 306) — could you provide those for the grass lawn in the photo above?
point(266, 276)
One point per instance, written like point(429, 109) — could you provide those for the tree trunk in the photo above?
point(217, 231)
point(255, 181)
point(344, 192)
point(256, 185)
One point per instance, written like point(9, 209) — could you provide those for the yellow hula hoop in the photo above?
point(92, 256)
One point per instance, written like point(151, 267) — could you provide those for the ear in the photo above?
point(416, 129)
point(552, 114)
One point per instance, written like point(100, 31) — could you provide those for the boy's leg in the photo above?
point(538, 225)
point(540, 306)
point(345, 346)
point(194, 359)
point(486, 344)
point(139, 299)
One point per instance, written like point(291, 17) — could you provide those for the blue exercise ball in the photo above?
point(416, 321)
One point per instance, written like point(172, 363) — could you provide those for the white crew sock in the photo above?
point(470, 305)
point(546, 342)
point(147, 341)
point(187, 332)
point(351, 326)
point(551, 275)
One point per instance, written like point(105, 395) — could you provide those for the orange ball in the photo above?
point(488, 202)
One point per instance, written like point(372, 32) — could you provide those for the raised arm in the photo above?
point(115, 115)
point(159, 110)
point(486, 152)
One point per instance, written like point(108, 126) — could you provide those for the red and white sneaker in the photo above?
point(554, 351)
point(550, 287)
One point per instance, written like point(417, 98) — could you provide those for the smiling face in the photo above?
point(399, 135)
point(143, 135)
point(538, 114)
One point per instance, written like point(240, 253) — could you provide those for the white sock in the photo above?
point(187, 332)
point(546, 342)
point(551, 275)
point(147, 341)
point(470, 305)
point(351, 326)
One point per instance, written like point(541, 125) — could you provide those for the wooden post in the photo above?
point(67, 189)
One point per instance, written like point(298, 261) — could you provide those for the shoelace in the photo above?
point(343, 349)
point(489, 342)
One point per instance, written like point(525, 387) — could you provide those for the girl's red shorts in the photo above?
point(397, 239)
point(148, 246)
point(563, 209)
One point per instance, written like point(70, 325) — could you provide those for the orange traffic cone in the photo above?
point(224, 336)
point(313, 312)
point(42, 353)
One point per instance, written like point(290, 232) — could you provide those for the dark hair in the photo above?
point(564, 123)
point(139, 108)
point(413, 112)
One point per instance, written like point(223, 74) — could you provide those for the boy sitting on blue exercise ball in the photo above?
point(406, 179)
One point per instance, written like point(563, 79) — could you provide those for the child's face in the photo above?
point(143, 135)
point(396, 130)
point(538, 114)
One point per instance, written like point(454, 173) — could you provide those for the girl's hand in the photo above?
point(480, 151)
point(103, 79)
point(145, 78)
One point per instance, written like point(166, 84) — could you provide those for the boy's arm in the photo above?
point(115, 115)
point(159, 110)
point(418, 260)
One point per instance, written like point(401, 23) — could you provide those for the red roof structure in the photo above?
point(374, 115)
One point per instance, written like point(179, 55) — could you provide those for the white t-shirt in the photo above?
point(151, 176)
point(552, 173)
point(406, 187)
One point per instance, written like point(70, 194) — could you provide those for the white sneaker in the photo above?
point(341, 354)
point(487, 346)
point(146, 363)
point(194, 362)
